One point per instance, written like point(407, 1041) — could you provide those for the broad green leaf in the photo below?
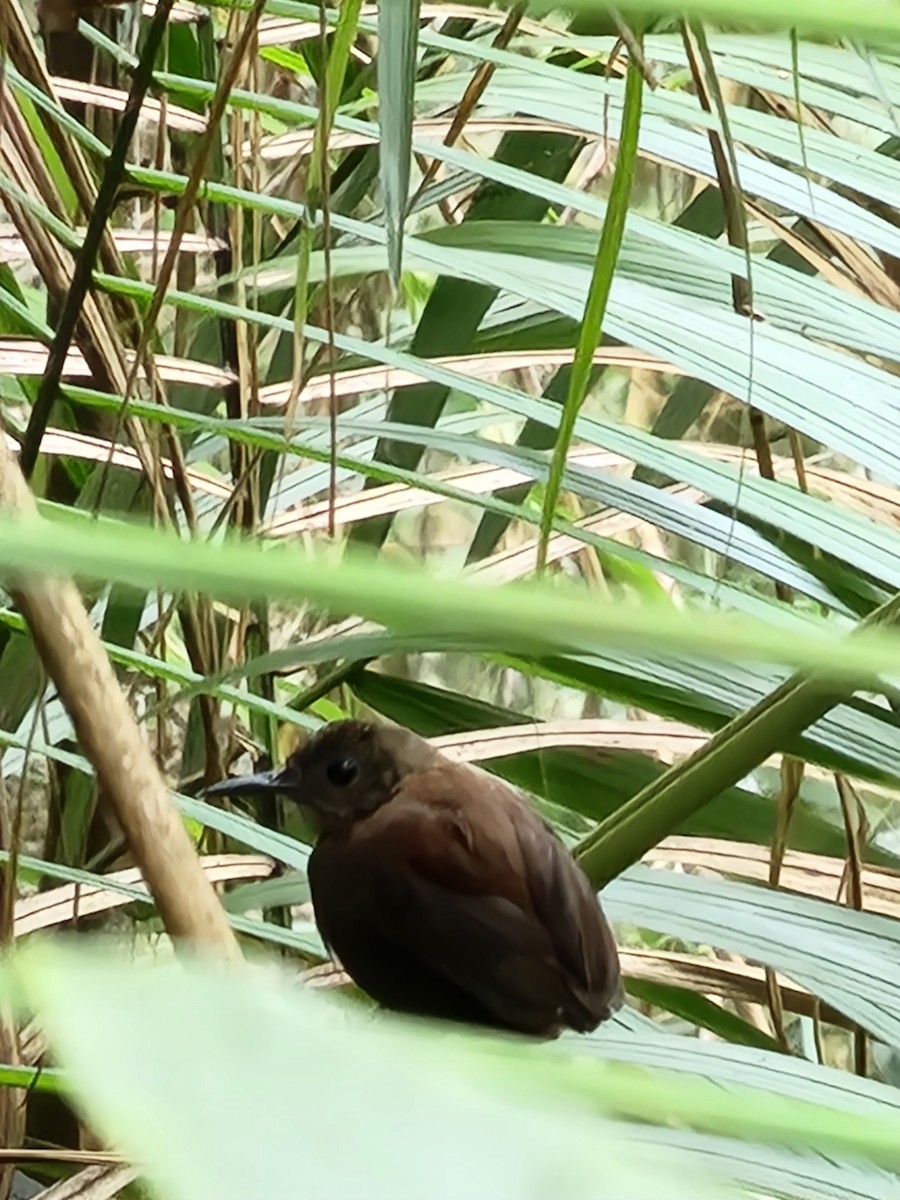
point(850, 959)
point(532, 617)
point(598, 295)
point(175, 1096)
point(398, 27)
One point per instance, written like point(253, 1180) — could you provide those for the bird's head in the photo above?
point(341, 774)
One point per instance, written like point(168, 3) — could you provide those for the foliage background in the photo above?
point(735, 457)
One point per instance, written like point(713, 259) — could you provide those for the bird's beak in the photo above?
point(273, 782)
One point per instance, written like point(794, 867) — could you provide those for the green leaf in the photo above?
point(850, 959)
point(143, 1048)
point(598, 295)
point(519, 616)
point(398, 28)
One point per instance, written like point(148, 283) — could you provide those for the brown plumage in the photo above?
point(440, 890)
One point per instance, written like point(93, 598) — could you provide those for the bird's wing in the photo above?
point(565, 903)
point(494, 904)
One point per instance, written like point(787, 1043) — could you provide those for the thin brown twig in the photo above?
point(84, 265)
point(325, 187)
point(473, 93)
point(182, 215)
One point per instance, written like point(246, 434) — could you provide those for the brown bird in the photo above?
point(441, 892)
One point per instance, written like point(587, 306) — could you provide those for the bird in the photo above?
point(440, 890)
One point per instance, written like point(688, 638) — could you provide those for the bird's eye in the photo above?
point(342, 772)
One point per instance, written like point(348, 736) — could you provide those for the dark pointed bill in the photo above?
point(261, 783)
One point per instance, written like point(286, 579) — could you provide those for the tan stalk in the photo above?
point(109, 735)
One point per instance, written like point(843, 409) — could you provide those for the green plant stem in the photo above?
point(662, 807)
